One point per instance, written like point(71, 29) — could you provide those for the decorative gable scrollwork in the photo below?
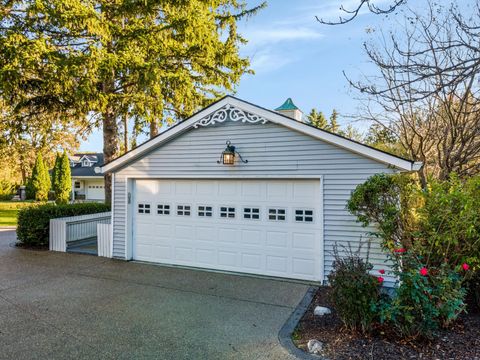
point(229, 112)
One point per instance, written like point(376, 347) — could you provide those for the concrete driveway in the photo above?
point(62, 306)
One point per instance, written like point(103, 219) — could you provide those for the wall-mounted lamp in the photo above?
point(228, 155)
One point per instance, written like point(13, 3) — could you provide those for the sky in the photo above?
point(293, 55)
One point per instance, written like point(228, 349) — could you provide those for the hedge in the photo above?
point(34, 222)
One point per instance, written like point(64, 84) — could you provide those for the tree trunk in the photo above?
point(110, 147)
point(125, 132)
point(153, 129)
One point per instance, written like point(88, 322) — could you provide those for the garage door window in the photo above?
point(183, 210)
point(303, 215)
point(277, 214)
point(205, 211)
point(251, 213)
point(143, 208)
point(163, 209)
point(227, 212)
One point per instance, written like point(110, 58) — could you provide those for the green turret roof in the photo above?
point(287, 105)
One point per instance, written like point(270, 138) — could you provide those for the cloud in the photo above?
point(261, 36)
point(268, 61)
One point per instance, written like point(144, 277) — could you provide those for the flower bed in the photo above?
point(461, 341)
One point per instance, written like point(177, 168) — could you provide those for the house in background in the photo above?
point(86, 184)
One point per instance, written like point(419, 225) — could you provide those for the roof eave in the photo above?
point(377, 155)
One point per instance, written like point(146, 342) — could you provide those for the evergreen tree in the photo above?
point(333, 126)
point(158, 61)
point(40, 181)
point(317, 119)
point(55, 172)
point(64, 180)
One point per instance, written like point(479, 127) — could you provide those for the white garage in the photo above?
point(267, 227)
point(240, 188)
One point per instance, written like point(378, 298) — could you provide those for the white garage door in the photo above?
point(95, 190)
point(268, 227)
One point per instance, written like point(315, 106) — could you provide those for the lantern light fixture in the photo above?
point(228, 155)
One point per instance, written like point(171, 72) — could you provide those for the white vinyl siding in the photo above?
point(271, 150)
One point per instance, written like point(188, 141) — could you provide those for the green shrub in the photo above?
point(354, 292)
point(425, 300)
point(449, 226)
point(474, 289)
point(7, 190)
point(440, 223)
point(33, 222)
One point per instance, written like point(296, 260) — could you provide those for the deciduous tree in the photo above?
point(427, 88)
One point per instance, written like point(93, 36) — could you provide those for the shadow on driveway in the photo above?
point(60, 305)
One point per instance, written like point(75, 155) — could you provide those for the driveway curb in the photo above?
point(285, 333)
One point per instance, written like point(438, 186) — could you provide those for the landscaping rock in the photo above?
point(314, 346)
point(320, 311)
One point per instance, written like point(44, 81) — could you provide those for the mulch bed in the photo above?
point(462, 341)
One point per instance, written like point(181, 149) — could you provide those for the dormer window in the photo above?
point(86, 163)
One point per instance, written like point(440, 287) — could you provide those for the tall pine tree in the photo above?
point(64, 180)
point(55, 172)
point(40, 181)
point(317, 119)
point(333, 126)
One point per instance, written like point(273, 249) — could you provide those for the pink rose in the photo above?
point(424, 271)
point(465, 266)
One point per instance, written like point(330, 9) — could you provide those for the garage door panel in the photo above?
point(206, 256)
point(304, 241)
point(277, 239)
point(227, 258)
point(251, 261)
point(252, 237)
point(184, 253)
point(206, 233)
point(184, 232)
point(260, 244)
point(229, 235)
point(302, 266)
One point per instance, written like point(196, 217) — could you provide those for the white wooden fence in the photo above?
point(104, 240)
point(74, 228)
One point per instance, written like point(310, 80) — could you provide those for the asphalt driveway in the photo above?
point(62, 306)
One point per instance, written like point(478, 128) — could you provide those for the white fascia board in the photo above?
point(168, 134)
point(328, 137)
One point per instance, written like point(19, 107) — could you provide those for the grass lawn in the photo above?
point(9, 211)
point(8, 217)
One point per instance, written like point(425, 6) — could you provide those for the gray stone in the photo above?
point(315, 346)
point(321, 310)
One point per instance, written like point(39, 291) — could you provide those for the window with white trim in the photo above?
point(227, 212)
point(304, 215)
point(277, 214)
point(77, 185)
point(205, 211)
point(163, 209)
point(183, 210)
point(251, 213)
point(143, 208)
